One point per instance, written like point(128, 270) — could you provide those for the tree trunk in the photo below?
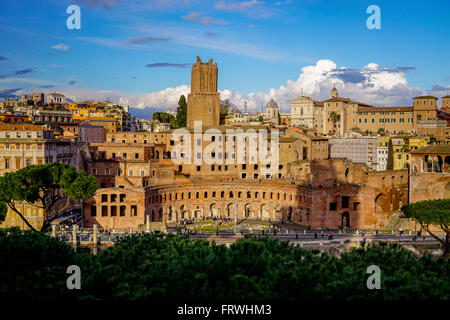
point(13, 208)
point(446, 253)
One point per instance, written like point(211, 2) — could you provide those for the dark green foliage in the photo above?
point(164, 118)
point(39, 185)
point(181, 118)
point(3, 210)
point(390, 158)
point(432, 213)
point(33, 265)
point(160, 266)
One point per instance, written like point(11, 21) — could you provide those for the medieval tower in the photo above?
point(204, 100)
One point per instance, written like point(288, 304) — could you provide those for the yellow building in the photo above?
point(401, 160)
point(403, 145)
point(383, 141)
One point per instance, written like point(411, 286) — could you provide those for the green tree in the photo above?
point(432, 213)
point(164, 118)
point(34, 265)
point(166, 266)
point(334, 117)
point(181, 119)
point(43, 186)
point(380, 130)
point(3, 211)
point(390, 158)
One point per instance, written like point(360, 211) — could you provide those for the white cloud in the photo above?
point(237, 6)
point(377, 87)
point(61, 47)
point(195, 17)
point(369, 84)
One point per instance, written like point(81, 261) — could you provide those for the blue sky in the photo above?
point(139, 52)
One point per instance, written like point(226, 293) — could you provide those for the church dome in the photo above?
point(334, 93)
point(272, 104)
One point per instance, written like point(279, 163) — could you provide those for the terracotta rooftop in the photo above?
point(434, 149)
point(22, 127)
point(425, 97)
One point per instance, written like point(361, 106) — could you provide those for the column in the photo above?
point(74, 236)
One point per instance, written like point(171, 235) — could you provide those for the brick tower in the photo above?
point(204, 100)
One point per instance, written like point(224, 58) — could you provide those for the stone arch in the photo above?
point(345, 220)
point(265, 215)
point(170, 215)
point(438, 164)
point(160, 214)
point(278, 214)
point(248, 212)
point(380, 203)
point(184, 213)
point(289, 214)
point(229, 210)
point(213, 210)
point(446, 166)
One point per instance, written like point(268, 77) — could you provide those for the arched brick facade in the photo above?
point(225, 199)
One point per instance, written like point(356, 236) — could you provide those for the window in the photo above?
point(142, 173)
point(6, 163)
point(133, 210)
point(113, 211)
point(122, 211)
point(93, 171)
point(113, 197)
point(345, 201)
point(136, 155)
point(93, 211)
point(333, 206)
point(104, 211)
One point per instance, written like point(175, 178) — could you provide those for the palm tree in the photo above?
point(334, 117)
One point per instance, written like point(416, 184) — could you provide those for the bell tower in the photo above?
point(204, 100)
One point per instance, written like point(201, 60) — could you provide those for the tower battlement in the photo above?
point(204, 100)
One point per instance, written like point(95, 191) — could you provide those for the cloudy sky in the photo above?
point(140, 52)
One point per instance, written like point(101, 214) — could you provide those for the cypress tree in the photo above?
point(390, 159)
point(181, 112)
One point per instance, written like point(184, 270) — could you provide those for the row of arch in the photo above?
point(242, 210)
point(164, 197)
point(435, 163)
